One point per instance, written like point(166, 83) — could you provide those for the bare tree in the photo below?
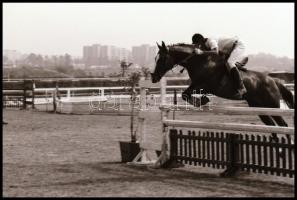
point(145, 72)
point(124, 67)
point(133, 80)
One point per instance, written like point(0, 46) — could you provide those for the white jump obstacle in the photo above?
point(143, 159)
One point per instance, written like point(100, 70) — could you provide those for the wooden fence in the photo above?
point(245, 152)
point(18, 94)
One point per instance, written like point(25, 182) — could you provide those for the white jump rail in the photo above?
point(230, 126)
point(230, 110)
point(99, 89)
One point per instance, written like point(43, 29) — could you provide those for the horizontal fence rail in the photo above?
point(230, 126)
point(230, 110)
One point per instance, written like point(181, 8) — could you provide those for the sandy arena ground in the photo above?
point(59, 155)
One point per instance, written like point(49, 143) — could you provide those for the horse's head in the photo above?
point(168, 57)
point(164, 62)
point(182, 54)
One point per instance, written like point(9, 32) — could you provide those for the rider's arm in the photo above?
point(211, 52)
point(211, 44)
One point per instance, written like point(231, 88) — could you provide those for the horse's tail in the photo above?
point(286, 94)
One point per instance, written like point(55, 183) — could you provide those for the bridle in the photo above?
point(180, 62)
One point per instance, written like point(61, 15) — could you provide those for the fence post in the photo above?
point(173, 145)
point(174, 102)
point(24, 95)
point(232, 154)
point(163, 91)
point(33, 94)
point(55, 93)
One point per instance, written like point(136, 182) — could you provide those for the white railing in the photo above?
point(230, 110)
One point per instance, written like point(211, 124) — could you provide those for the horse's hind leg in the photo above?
point(281, 122)
point(268, 121)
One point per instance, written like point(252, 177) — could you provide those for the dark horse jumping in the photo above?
point(210, 74)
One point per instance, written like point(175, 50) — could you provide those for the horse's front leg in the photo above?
point(187, 96)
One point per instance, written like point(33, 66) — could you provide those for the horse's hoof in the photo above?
point(232, 172)
point(238, 96)
point(204, 100)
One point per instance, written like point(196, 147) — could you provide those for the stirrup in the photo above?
point(238, 95)
point(242, 92)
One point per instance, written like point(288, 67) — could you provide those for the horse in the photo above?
point(209, 74)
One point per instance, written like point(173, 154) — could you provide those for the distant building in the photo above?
point(124, 54)
point(144, 55)
point(152, 54)
point(137, 55)
point(12, 55)
point(96, 54)
point(91, 54)
point(79, 66)
point(87, 55)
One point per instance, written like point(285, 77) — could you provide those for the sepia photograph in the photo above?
point(145, 99)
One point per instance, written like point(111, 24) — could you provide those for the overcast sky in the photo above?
point(59, 28)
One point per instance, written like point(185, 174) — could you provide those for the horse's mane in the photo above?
point(182, 44)
point(181, 47)
point(188, 49)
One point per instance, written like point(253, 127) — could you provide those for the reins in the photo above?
point(184, 60)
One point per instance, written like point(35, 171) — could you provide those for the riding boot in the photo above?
point(238, 81)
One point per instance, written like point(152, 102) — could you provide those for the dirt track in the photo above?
point(54, 155)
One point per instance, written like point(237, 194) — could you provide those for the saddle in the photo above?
point(240, 65)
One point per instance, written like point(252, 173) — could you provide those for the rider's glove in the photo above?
point(198, 51)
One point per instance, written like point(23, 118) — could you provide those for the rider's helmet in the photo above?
point(197, 39)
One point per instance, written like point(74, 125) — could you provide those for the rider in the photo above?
point(231, 47)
